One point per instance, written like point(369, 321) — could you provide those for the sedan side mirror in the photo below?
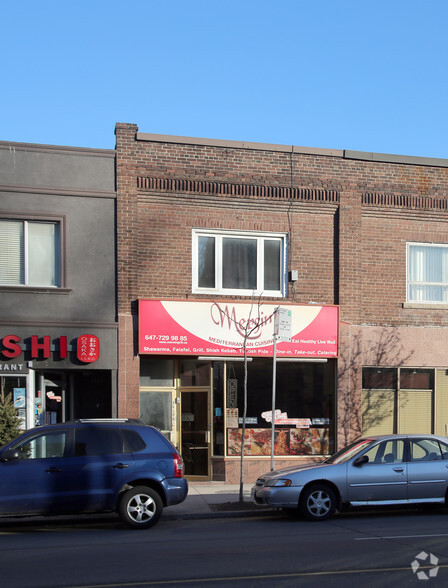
point(362, 459)
point(9, 455)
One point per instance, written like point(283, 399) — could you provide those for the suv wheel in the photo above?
point(140, 507)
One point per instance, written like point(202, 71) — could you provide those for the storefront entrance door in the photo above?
point(195, 433)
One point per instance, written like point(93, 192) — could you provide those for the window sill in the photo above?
point(239, 293)
point(426, 305)
point(35, 290)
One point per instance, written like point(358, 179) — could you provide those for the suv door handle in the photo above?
point(121, 466)
point(53, 470)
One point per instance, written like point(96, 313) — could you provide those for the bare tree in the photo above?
point(252, 324)
point(388, 351)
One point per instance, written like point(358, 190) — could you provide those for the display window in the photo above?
point(15, 387)
point(304, 408)
point(199, 406)
point(404, 400)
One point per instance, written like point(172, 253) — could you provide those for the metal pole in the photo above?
point(274, 379)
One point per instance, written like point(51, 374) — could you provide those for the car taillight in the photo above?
point(178, 466)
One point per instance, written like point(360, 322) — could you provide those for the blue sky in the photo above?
point(346, 74)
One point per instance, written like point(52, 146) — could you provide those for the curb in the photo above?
point(220, 514)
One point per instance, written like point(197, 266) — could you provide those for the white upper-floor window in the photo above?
point(29, 253)
point(427, 273)
point(237, 263)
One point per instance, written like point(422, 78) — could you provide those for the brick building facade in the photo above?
point(360, 234)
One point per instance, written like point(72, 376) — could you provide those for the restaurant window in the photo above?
point(427, 273)
point(30, 253)
point(218, 407)
point(156, 371)
point(14, 387)
point(194, 373)
point(157, 376)
point(304, 399)
point(229, 262)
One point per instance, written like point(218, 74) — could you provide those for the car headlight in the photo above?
point(280, 482)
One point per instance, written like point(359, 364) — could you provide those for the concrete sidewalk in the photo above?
point(216, 499)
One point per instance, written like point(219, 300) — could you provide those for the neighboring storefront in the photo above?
point(405, 400)
point(58, 328)
point(58, 375)
point(192, 381)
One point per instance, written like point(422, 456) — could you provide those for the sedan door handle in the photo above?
point(398, 469)
point(53, 470)
point(121, 466)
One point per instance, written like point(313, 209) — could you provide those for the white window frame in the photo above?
point(421, 282)
point(26, 254)
point(260, 238)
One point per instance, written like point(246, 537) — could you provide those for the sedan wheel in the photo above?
point(140, 507)
point(318, 502)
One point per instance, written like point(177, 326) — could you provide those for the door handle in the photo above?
point(121, 466)
point(398, 469)
point(53, 470)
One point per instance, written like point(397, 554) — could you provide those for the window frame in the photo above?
point(261, 238)
point(424, 284)
point(60, 222)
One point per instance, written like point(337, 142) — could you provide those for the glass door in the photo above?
point(195, 432)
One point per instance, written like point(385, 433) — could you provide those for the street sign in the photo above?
point(282, 324)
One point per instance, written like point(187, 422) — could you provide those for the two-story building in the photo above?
point(218, 238)
point(58, 320)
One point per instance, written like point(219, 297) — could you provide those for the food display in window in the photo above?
point(313, 441)
point(309, 441)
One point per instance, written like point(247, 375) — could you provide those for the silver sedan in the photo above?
point(385, 470)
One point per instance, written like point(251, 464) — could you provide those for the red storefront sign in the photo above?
point(88, 348)
point(42, 347)
point(219, 329)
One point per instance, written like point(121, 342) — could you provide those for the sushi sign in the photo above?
point(86, 347)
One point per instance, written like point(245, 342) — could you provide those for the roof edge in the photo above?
point(391, 158)
point(342, 153)
point(58, 148)
point(238, 144)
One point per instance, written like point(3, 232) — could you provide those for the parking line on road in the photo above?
point(218, 579)
point(400, 537)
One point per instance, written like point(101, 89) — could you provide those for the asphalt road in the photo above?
point(375, 549)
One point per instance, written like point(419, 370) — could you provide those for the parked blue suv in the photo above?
point(92, 466)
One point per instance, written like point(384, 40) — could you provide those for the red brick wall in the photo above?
point(350, 250)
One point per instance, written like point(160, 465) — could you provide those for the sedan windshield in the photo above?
point(350, 451)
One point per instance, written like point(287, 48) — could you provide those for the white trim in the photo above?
point(261, 238)
point(422, 283)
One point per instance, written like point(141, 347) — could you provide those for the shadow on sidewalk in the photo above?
point(238, 506)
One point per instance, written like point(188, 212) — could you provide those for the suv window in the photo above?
point(42, 446)
point(134, 441)
point(98, 441)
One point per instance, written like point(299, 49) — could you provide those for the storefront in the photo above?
point(196, 384)
point(404, 400)
point(59, 374)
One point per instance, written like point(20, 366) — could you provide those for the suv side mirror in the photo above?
point(9, 455)
point(362, 459)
